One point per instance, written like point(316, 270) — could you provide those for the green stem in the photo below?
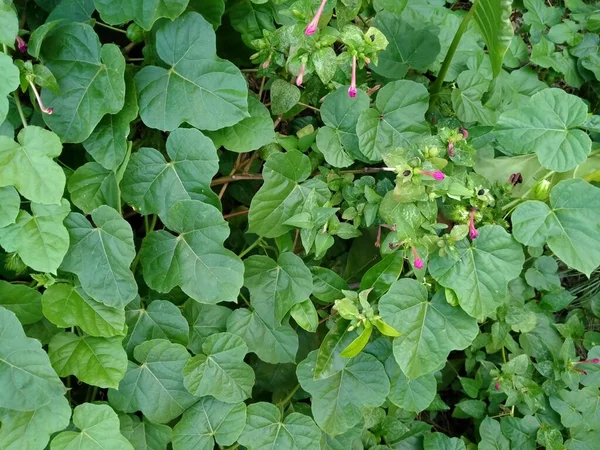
point(91, 394)
point(516, 201)
point(283, 403)
point(436, 87)
point(309, 107)
point(20, 109)
point(233, 447)
point(250, 247)
point(111, 28)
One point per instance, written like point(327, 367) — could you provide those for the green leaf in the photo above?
point(281, 196)
point(467, 99)
point(265, 428)
point(382, 275)
point(250, 133)
point(271, 344)
point(208, 421)
point(337, 401)
point(99, 426)
point(491, 436)
point(284, 96)
point(212, 10)
point(539, 16)
point(28, 380)
point(543, 274)
point(394, 6)
point(144, 435)
point(221, 370)
point(429, 330)
point(338, 140)
point(67, 306)
point(214, 90)
point(161, 320)
point(568, 225)
point(92, 186)
point(9, 205)
point(155, 387)
point(325, 62)
point(196, 259)
point(327, 285)
point(9, 24)
point(480, 273)
point(493, 19)
point(152, 185)
point(23, 301)
point(276, 286)
point(108, 142)
point(204, 321)
point(143, 12)
point(28, 165)
point(439, 441)
point(41, 239)
point(413, 395)
point(407, 49)
point(397, 120)
point(110, 246)
point(9, 75)
point(31, 430)
point(96, 361)
point(305, 315)
point(520, 431)
point(358, 344)
point(72, 11)
point(547, 125)
point(87, 74)
point(329, 360)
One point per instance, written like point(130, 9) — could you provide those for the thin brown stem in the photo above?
point(232, 178)
point(233, 170)
point(235, 214)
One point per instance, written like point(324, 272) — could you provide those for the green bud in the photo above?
point(267, 150)
point(14, 263)
point(134, 32)
point(541, 191)
point(346, 309)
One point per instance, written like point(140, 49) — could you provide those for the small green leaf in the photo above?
point(204, 321)
point(143, 12)
point(356, 346)
point(9, 75)
point(284, 96)
point(221, 370)
point(9, 205)
point(92, 186)
point(98, 424)
point(382, 275)
point(23, 301)
point(327, 285)
point(491, 436)
point(305, 315)
point(385, 329)
point(144, 435)
point(439, 441)
point(413, 395)
point(329, 360)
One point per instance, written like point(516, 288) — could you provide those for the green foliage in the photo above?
point(299, 225)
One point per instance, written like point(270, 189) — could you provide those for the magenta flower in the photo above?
point(464, 132)
point(21, 44)
point(418, 261)
point(301, 76)
point(451, 151)
point(45, 110)
point(352, 88)
point(438, 175)
point(473, 233)
point(589, 361)
point(311, 28)
point(497, 385)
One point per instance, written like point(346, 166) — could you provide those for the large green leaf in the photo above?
point(92, 186)
point(547, 125)
point(204, 321)
point(439, 441)
point(272, 345)
point(397, 119)
point(479, 275)
point(569, 225)
point(110, 246)
point(407, 48)
point(265, 428)
point(338, 140)
point(199, 88)
point(108, 142)
point(327, 285)
point(144, 435)
point(429, 330)
point(67, 306)
point(208, 421)
point(282, 195)
point(250, 133)
point(221, 370)
point(413, 395)
point(31, 430)
point(9, 24)
point(40, 238)
point(9, 205)
point(493, 19)
point(276, 286)
point(196, 259)
point(329, 361)
point(27, 378)
point(90, 80)
point(155, 386)
point(96, 361)
point(491, 436)
point(28, 165)
point(99, 430)
point(382, 275)
point(143, 12)
point(161, 320)
point(9, 76)
point(152, 185)
point(337, 401)
point(23, 301)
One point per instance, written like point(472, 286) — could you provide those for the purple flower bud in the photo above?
point(314, 23)
point(451, 151)
point(464, 132)
point(497, 386)
point(473, 233)
point(21, 44)
point(438, 175)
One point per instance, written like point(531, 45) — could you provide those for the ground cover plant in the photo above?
point(299, 224)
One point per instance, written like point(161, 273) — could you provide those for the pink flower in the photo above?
point(314, 24)
point(438, 175)
point(418, 261)
point(497, 386)
point(451, 151)
point(45, 110)
point(473, 233)
point(21, 44)
point(352, 88)
point(267, 63)
point(301, 76)
point(464, 132)
point(589, 361)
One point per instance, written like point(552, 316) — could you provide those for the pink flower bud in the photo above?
point(438, 175)
point(267, 63)
point(301, 76)
point(595, 360)
point(352, 89)
point(451, 151)
point(21, 44)
point(464, 132)
point(497, 386)
point(473, 233)
point(418, 262)
point(314, 23)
